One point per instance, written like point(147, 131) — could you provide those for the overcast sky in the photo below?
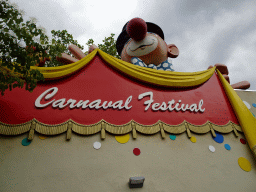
point(206, 32)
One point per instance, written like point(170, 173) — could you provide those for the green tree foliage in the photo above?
point(59, 44)
point(24, 44)
point(16, 59)
point(108, 46)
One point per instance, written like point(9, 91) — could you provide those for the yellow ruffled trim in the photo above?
point(157, 77)
point(243, 114)
point(62, 71)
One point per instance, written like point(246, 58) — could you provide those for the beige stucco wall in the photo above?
point(55, 164)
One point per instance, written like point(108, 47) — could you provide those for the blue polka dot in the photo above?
point(254, 104)
point(134, 60)
point(25, 142)
point(227, 146)
point(219, 138)
point(173, 137)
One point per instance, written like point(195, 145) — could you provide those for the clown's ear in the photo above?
point(173, 51)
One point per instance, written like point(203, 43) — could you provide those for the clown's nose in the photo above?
point(137, 29)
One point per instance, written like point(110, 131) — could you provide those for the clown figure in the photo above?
point(142, 43)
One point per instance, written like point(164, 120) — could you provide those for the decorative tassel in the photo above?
point(162, 131)
point(235, 131)
point(103, 132)
point(32, 131)
point(188, 131)
point(212, 130)
point(134, 134)
point(69, 130)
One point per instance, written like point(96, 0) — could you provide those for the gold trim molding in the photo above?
point(103, 127)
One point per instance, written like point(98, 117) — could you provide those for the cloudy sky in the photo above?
point(206, 32)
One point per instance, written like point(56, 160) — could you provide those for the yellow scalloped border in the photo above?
point(103, 126)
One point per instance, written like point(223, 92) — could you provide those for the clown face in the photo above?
point(151, 50)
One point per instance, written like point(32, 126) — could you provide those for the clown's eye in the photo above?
point(127, 42)
point(152, 33)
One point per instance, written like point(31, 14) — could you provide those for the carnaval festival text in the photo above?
point(120, 104)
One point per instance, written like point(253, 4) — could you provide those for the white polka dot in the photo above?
point(151, 65)
point(247, 104)
point(134, 60)
point(165, 65)
point(161, 69)
point(141, 64)
point(96, 145)
point(211, 148)
point(168, 70)
point(155, 67)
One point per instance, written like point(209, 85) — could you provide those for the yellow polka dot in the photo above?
point(123, 138)
point(244, 164)
point(193, 139)
point(42, 137)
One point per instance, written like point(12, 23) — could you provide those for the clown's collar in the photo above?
point(165, 66)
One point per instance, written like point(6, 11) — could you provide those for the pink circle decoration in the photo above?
point(136, 151)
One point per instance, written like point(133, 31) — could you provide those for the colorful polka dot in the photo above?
point(243, 141)
point(247, 104)
point(193, 139)
point(244, 164)
point(219, 138)
point(136, 151)
point(227, 146)
point(42, 137)
point(96, 145)
point(254, 104)
point(211, 148)
point(122, 138)
point(25, 142)
point(173, 137)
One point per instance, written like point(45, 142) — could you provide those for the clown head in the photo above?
point(145, 41)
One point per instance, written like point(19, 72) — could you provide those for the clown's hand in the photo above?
point(224, 71)
point(76, 51)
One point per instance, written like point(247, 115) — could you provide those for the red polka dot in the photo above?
point(136, 151)
point(243, 141)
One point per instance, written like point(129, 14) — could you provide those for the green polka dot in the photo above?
point(25, 142)
point(173, 137)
